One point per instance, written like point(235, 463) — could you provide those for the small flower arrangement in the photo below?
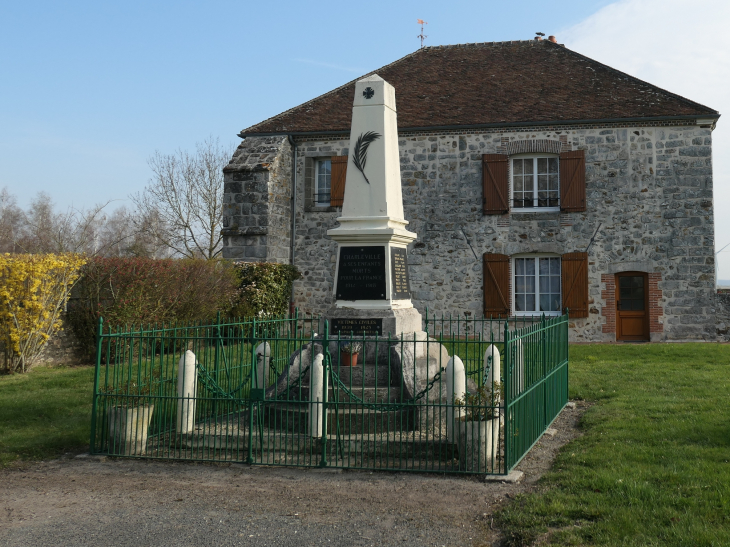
point(482, 405)
point(350, 346)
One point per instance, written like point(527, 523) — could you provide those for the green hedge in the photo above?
point(147, 291)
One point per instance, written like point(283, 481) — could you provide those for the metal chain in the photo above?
point(436, 378)
point(211, 385)
point(388, 407)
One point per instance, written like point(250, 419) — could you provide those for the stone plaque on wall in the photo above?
point(399, 269)
point(357, 326)
point(361, 273)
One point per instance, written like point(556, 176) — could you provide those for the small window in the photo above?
point(323, 178)
point(535, 183)
point(537, 283)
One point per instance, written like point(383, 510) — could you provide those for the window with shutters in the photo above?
point(535, 183)
point(536, 285)
point(538, 181)
point(323, 180)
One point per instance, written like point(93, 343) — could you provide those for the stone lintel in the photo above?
point(251, 231)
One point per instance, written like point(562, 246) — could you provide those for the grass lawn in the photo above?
point(653, 467)
point(45, 413)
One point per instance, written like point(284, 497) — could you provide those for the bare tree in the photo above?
point(93, 231)
point(43, 230)
point(124, 233)
point(182, 204)
point(11, 221)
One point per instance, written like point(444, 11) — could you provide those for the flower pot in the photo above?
point(348, 359)
point(128, 427)
point(478, 445)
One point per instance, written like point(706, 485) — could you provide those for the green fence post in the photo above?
point(252, 393)
point(567, 353)
point(507, 396)
point(325, 389)
point(216, 358)
point(92, 438)
point(543, 343)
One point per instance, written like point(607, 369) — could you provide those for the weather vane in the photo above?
point(421, 36)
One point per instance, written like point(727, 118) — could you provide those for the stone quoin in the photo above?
point(536, 179)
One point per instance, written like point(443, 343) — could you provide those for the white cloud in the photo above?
point(680, 46)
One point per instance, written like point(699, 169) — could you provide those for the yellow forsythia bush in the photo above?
point(34, 290)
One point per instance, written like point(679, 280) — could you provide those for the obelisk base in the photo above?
point(393, 322)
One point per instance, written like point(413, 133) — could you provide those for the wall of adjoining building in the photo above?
point(649, 206)
point(257, 201)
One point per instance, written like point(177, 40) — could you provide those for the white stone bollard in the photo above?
point(316, 397)
point(455, 389)
point(263, 357)
point(187, 382)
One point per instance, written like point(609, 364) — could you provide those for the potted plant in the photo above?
point(349, 351)
point(478, 431)
point(129, 413)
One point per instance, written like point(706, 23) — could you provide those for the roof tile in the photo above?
point(491, 84)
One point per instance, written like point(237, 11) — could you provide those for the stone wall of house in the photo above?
point(649, 208)
point(257, 201)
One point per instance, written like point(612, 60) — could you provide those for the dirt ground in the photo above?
point(96, 501)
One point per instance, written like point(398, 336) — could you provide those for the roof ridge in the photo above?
point(486, 43)
point(333, 90)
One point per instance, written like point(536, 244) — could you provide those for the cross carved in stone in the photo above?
point(368, 93)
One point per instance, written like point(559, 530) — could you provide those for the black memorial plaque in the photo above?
point(361, 273)
point(357, 326)
point(399, 269)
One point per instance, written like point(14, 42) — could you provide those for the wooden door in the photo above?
point(632, 306)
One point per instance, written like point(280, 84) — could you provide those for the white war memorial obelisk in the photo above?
point(371, 284)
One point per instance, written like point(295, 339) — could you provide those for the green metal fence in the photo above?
point(285, 392)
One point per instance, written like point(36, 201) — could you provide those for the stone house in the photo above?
point(536, 179)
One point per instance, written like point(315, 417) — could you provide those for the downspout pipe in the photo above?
point(292, 237)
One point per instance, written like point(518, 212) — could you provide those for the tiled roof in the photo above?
point(493, 84)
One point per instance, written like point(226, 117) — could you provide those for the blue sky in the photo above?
point(89, 90)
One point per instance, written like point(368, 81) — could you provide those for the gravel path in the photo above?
point(94, 501)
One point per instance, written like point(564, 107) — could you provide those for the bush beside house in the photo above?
point(145, 291)
point(265, 289)
point(34, 290)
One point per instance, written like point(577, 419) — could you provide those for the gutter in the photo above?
point(293, 215)
point(710, 118)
